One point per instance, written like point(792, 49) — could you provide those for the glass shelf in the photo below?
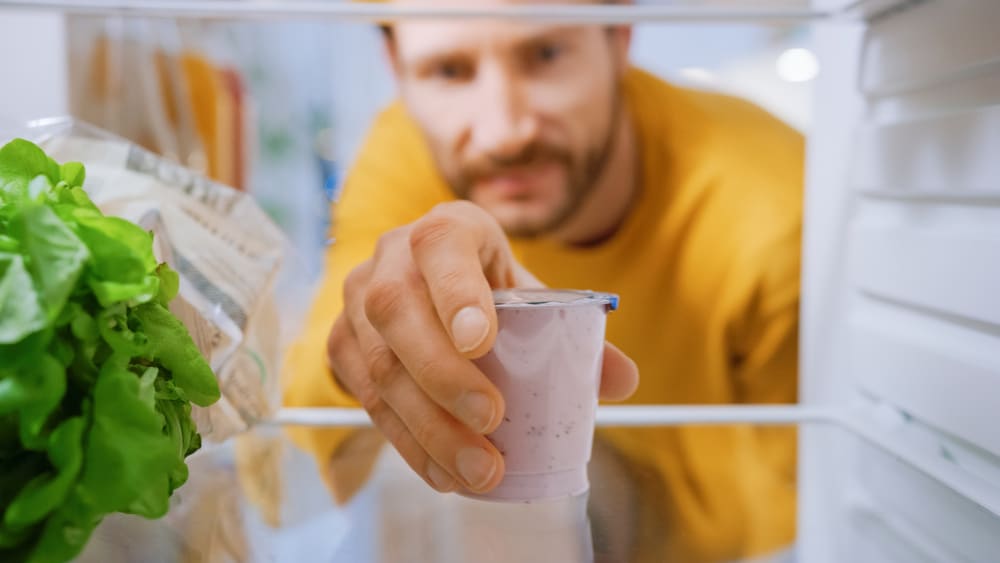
point(705, 11)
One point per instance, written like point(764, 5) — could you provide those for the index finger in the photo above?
point(462, 254)
point(400, 313)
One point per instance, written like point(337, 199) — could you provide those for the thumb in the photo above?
point(619, 374)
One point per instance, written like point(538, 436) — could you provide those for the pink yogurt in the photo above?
point(546, 362)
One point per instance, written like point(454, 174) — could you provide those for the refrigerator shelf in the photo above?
point(678, 12)
point(631, 416)
point(879, 424)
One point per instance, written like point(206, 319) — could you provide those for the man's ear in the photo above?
point(391, 51)
point(621, 42)
point(621, 37)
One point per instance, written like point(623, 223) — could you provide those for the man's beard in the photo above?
point(581, 174)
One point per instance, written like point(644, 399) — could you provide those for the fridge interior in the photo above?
point(900, 459)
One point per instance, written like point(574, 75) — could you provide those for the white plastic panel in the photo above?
point(862, 8)
point(941, 372)
point(942, 258)
point(885, 538)
point(946, 157)
point(922, 244)
point(979, 91)
point(33, 86)
point(930, 43)
point(948, 525)
point(901, 291)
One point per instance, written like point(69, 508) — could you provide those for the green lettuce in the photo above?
point(97, 376)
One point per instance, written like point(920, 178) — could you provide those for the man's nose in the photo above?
point(504, 123)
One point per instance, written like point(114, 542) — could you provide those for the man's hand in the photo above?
point(414, 315)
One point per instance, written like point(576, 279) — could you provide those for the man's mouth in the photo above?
point(520, 182)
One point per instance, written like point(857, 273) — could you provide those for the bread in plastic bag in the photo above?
point(226, 250)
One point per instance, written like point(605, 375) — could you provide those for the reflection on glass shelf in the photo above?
point(259, 499)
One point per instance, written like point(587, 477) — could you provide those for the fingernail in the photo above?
point(476, 466)
point(440, 478)
point(469, 328)
point(476, 411)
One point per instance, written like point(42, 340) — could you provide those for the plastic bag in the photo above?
point(227, 252)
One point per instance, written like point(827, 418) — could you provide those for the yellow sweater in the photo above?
point(707, 267)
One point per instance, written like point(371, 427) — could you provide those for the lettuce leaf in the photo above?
point(97, 377)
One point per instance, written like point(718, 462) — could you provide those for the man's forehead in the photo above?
point(419, 40)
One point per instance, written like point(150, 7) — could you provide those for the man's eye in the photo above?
point(546, 53)
point(453, 71)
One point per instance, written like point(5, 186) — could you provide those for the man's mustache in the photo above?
point(495, 165)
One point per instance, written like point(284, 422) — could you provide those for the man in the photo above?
point(533, 153)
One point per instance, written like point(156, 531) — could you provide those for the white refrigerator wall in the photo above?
point(823, 453)
point(901, 312)
point(33, 47)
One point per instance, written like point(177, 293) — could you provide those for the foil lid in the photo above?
point(545, 297)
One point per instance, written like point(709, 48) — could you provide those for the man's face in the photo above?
point(520, 117)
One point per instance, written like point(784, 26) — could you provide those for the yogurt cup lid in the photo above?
point(545, 297)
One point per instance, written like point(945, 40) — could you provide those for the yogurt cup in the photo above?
point(546, 362)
